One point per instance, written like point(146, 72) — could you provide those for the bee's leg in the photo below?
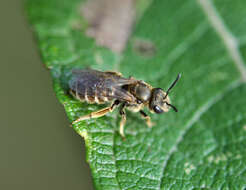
point(98, 113)
point(123, 120)
point(147, 118)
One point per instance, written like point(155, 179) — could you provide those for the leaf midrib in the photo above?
point(229, 40)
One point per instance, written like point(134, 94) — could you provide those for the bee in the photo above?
point(97, 87)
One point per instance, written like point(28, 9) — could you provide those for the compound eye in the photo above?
point(157, 109)
point(139, 101)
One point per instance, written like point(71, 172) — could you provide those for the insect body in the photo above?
point(101, 87)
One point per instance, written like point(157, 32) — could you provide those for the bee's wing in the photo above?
point(125, 81)
point(114, 86)
point(122, 95)
point(108, 84)
point(115, 76)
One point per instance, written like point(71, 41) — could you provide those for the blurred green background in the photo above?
point(38, 148)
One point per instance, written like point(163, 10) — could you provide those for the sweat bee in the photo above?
point(96, 87)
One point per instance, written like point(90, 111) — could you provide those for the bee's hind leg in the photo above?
point(147, 118)
point(98, 113)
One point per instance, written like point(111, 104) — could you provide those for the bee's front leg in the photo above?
point(147, 118)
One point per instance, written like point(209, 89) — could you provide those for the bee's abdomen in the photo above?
point(88, 91)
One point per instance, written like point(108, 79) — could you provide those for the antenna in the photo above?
point(172, 85)
point(172, 106)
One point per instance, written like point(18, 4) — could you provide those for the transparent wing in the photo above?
point(121, 94)
point(107, 84)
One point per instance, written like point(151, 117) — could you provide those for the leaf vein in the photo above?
point(229, 40)
point(196, 116)
point(181, 48)
point(114, 158)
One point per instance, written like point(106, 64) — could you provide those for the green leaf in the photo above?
point(200, 147)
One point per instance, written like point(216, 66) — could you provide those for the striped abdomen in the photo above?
point(90, 88)
point(100, 87)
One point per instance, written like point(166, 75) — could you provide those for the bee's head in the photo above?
point(160, 101)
